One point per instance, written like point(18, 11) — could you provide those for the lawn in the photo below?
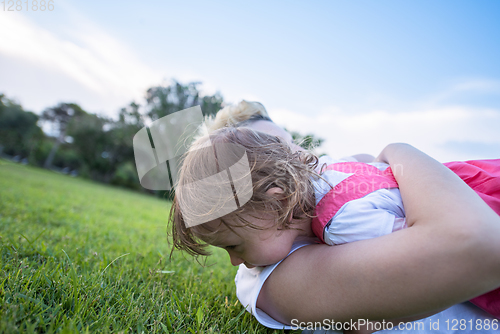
point(78, 256)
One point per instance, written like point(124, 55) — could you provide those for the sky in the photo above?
point(360, 74)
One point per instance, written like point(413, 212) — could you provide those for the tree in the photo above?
point(19, 132)
point(105, 145)
point(308, 141)
point(210, 105)
point(165, 100)
point(60, 116)
point(121, 150)
point(92, 142)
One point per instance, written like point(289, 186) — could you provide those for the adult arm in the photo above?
point(363, 157)
point(451, 254)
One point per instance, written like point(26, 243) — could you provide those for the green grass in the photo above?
point(78, 256)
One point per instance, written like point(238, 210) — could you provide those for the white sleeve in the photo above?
point(378, 213)
point(249, 282)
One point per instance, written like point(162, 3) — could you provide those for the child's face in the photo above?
point(253, 247)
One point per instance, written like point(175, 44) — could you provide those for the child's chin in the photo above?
point(251, 266)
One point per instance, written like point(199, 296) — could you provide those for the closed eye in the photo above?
point(230, 247)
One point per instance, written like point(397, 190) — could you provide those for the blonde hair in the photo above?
point(272, 164)
point(235, 114)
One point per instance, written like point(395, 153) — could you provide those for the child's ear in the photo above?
point(276, 192)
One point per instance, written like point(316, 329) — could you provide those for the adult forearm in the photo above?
point(431, 191)
point(437, 200)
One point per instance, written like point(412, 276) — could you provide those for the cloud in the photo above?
point(431, 130)
point(473, 148)
point(95, 60)
point(466, 89)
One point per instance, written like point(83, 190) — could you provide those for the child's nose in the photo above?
point(235, 261)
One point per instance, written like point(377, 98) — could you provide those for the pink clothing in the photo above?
point(483, 176)
point(365, 179)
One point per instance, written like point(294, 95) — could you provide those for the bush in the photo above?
point(126, 176)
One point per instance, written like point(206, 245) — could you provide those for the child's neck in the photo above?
point(305, 229)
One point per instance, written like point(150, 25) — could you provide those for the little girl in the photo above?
point(295, 197)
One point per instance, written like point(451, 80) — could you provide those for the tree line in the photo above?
point(98, 147)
